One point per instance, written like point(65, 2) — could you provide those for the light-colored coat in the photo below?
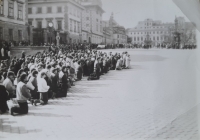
point(42, 85)
point(128, 59)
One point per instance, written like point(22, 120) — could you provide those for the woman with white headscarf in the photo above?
point(3, 97)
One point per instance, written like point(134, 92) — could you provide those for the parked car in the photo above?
point(101, 46)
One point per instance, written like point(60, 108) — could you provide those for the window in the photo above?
point(19, 35)
point(138, 38)
point(10, 9)
point(49, 9)
point(59, 9)
point(29, 10)
point(30, 22)
point(1, 33)
point(10, 34)
point(1, 7)
point(97, 20)
point(20, 11)
point(117, 36)
point(134, 38)
point(157, 38)
point(59, 25)
point(74, 12)
point(78, 27)
point(97, 28)
point(101, 29)
point(75, 26)
point(87, 18)
point(39, 24)
point(70, 25)
point(39, 10)
point(141, 38)
point(154, 38)
point(87, 25)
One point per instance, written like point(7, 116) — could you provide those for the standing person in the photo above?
point(97, 68)
point(79, 71)
point(124, 59)
point(63, 76)
point(23, 55)
point(9, 84)
point(33, 82)
point(54, 79)
point(128, 59)
point(42, 89)
point(23, 95)
point(3, 97)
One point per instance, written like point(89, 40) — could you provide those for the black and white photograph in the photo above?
point(99, 69)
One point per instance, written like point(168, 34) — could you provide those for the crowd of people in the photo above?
point(49, 74)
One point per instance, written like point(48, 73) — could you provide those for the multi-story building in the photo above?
point(119, 35)
point(50, 17)
point(117, 32)
point(157, 32)
point(92, 28)
point(154, 31)
point(14, 21)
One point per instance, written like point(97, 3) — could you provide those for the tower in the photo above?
point(111, 20)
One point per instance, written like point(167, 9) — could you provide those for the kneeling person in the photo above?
point(23, 94)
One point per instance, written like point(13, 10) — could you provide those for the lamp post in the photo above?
point(50, 30)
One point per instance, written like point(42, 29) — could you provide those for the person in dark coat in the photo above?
point(113, 63)
point(63, 80)
point(85, 69)
point(54, 79)
point(80, 71)
point(97, 68)
point(3, 97)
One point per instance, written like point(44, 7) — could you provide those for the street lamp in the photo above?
point(50, 30)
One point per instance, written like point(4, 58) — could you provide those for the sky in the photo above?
point(128, 13)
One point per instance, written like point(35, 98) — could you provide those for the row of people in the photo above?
point(50, 74)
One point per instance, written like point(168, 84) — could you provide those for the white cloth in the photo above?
point(60, 74)
point(19, 91)
point(42, 85)
point(128, 62)
point(2, 52)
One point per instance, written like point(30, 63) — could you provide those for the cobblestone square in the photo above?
point(146, 102)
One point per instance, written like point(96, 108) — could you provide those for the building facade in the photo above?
point(14, 21)
point(92, 28)
point(155, 32)
point(117, 32)
point(51, 18)
point(149, 30)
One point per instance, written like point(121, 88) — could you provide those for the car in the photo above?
point(101, 46)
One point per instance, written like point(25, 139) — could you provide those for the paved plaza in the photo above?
point(155, 99)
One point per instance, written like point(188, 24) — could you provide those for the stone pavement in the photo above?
point(121, 105)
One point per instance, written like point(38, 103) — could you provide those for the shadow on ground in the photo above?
point(5, 126)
